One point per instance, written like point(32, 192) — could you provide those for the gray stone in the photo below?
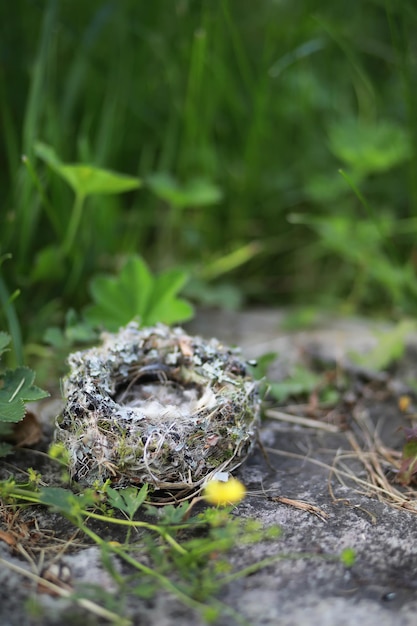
point(306, 583)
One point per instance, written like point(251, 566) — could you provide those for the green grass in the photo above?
point(264, 106)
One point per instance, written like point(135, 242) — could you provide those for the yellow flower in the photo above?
point(404, 403)
point(222, 493)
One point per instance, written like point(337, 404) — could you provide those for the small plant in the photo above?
point(365, 240)
point(7, 308)
point(390, 347)
point(407, 472)
point(16, 388)
point(197, 193)
point(301, 381)
point(136, 294)
point(193, 569)
point(84, 180)
point(186, 554)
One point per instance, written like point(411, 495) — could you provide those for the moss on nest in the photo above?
point(155, 405)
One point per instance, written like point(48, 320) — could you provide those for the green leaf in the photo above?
point(138, 284)
point(177, 310)
point(53, 336)
point(16, 388)
point(112, 307)
point(58, 498)
point(210, 614)
point(5, 449)
point(6, 429)
point(67, 502)
point(230, 261)
point(390, 347)
point(408, 468)
point(302, 381)
point(329, 187)
point(49, 265)
point(260, 370)
point(87, 180)
point(145, 590)
point(128, 500)
point(369, 148)
point(135, 294)
point(170, 514)
point(162, 300)
point(47, 154)
point(4, 341)
point(348, 557)
point(115, 499)
point(355, 241)
point(78, 330)
point(123, 298)
point(221, 295)
point(194, 193)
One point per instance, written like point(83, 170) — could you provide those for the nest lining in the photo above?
point(157, 406)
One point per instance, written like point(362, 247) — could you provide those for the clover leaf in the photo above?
point(87, 180)
point(128, 500)
point(136, 294)
point(16, 388)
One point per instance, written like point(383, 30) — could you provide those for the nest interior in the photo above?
point(157, 406)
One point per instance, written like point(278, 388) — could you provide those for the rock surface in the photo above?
point(307, 583)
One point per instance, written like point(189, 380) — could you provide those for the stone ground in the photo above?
point(381, 587)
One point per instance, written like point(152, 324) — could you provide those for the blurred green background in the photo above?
point(275, 143)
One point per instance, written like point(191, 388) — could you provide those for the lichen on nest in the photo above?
point(158, 406)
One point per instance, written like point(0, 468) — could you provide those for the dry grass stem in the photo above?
point(89, 605)
point(303, 506)
point(389, 494)
point(301, 421)
point(379, 462)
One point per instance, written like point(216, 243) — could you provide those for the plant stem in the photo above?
point(386, 242)
point(49, 209)
point(132, 524)
point(254, 567)
point(12, 321)
point(165, 582)
point(74, 223)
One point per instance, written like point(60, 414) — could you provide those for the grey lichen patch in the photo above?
point(156, 405)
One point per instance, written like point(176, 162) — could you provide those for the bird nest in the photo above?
point(157, 406)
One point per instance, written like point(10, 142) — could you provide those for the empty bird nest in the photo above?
point(158, 406)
